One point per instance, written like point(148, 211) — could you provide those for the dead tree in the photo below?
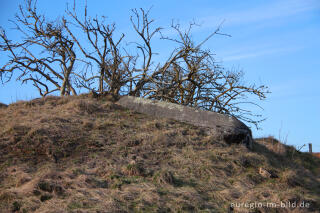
point(45, 56)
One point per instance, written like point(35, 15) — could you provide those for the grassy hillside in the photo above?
point(80, 154)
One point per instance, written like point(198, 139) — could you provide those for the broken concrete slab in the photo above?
point(221, 126)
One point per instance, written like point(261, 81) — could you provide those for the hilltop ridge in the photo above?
point(85, 154)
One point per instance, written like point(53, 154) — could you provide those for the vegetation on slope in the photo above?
point(80, 154)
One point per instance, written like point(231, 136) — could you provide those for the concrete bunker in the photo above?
point(222, 126)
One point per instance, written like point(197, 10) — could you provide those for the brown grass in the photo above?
point(79, 154)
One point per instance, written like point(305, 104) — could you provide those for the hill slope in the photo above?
point(79, 154)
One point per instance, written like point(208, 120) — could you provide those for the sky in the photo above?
point(274, 42)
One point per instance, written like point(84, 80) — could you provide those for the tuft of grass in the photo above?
point(16, 206)
point(45, 197)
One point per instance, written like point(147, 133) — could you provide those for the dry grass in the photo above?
point(79, 154)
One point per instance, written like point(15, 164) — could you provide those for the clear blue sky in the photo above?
point(275, 42)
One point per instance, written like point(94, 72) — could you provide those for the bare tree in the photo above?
point(190, 76)
point(45, 55)
point(142, 26)
point(104, 50)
